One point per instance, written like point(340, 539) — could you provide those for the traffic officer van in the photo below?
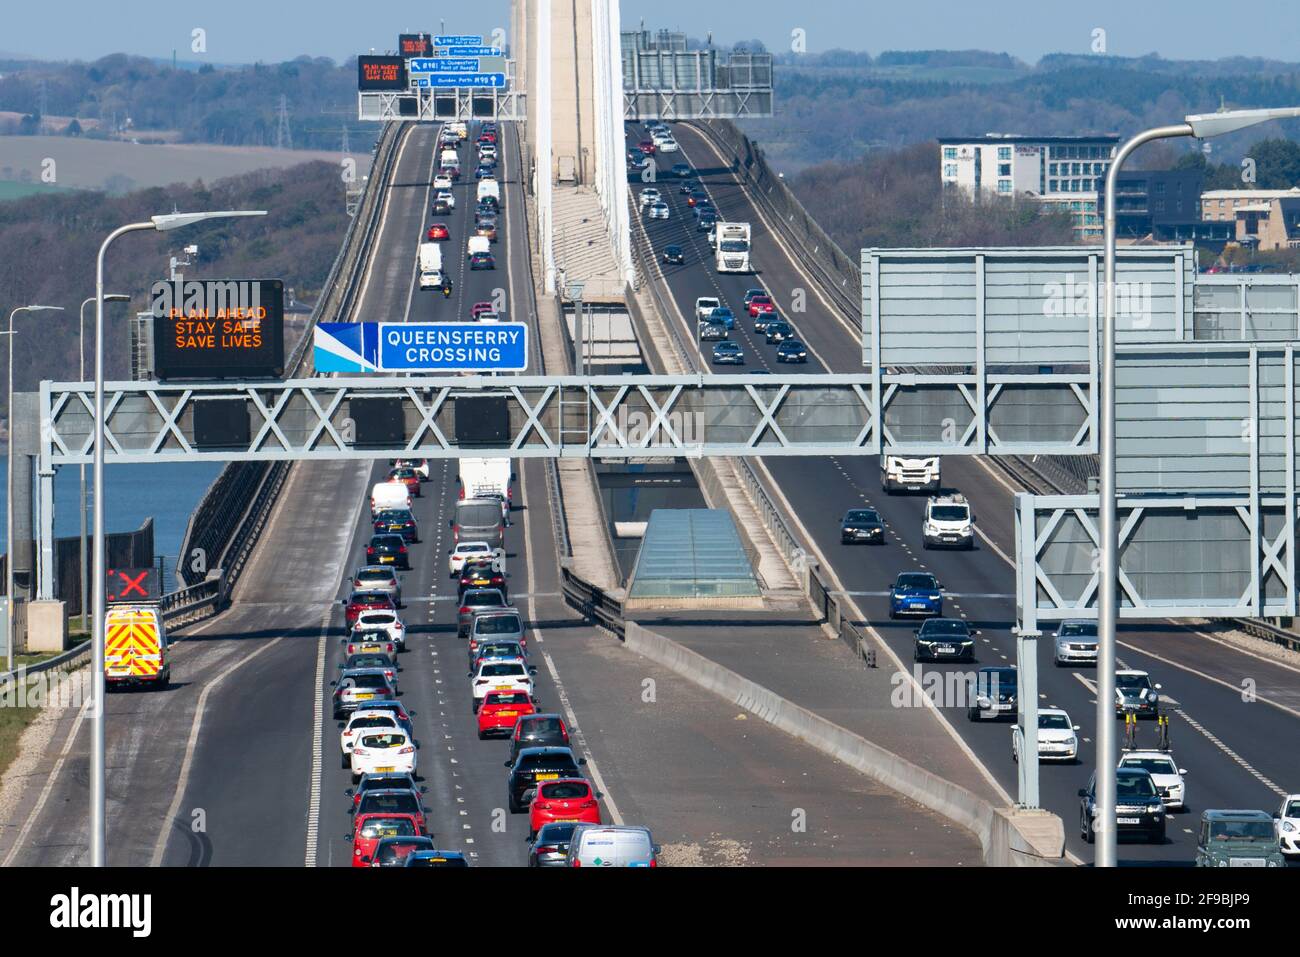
point(135, 647)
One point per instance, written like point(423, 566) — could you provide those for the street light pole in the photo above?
point(1200, 126)
point(98, 831)
point(81, 469)
point(9, 491)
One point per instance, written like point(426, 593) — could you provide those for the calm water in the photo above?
point(132, 493)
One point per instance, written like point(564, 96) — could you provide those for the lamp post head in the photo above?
point(1229, 121)
point(168, 221)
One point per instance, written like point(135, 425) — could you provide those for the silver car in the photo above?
point(378, 578)
point(549, 846)
point(474, 600)
point(1076, 642)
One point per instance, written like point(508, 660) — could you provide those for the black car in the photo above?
point(707, 222)
point(862, 525)
point(791, 350)
point(688, 186)
point(993, 693)
point(550, 846)
point(399, 800)
point(943, 639)
point(442, 208)
point(538, 731)
point(1138, 808)
point(779, 331)
point(481, 575)
point(383, 782)
point(681, 170)
point(388, 549)
point(673, 254)
point(704, 207)
point(535, 764)
point(398, 521)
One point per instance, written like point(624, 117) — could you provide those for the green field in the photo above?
point(13, 190)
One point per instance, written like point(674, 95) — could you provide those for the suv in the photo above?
point(1076, 642)
point(1138, 808)
point(943, 639)
point(1237, 839)
point(915, 593)
point(948, 523)
point(533, 764)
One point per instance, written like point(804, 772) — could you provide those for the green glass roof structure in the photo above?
point(692, 553)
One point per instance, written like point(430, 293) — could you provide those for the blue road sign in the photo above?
point(495, 80)
point(421, 347)
point(474, 51)
point(454, 40)
point(443, 65)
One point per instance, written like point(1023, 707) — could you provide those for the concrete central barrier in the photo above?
point(1009, 837)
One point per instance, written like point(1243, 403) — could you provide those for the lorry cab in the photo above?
point(135, 646)
point(900, 473)
point(949, 523)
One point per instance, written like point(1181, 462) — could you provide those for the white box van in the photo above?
point(449, 162)
point(389, 495)
point(488, 188)
point(598, 845)
point(430, 265)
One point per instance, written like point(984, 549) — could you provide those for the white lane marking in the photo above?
point(317, 742)
point(574, 729)
point(1229, 752)
point(160, 845)
point(415, 267)
point(898, 663)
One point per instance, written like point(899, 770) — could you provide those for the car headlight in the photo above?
point(966, 531)
point(1223, 863)
point(1288, 826)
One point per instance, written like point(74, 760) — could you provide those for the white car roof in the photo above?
point(1060, 711)
point(1132, 671)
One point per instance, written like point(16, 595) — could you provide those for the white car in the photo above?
point(468, 551)
point(1165, 772)
point(666, 145)
point(360, 722)
point(382, 751)
point(704, 307)
point(445, 196)
point(1058, 739)
point(382, 621)
point(1287, 821)
point(487, 151)
point(442, 181)
point(650, 196)
point(658, 210)
point(500, 674)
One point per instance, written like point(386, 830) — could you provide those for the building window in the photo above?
point(950, 170)
point(1004, 186)
point(1004, 169)
point(1051, 186)
point(950, 152)
point(1160, 188)
point(1160, 205)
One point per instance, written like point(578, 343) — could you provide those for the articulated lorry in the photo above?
point(732, 245)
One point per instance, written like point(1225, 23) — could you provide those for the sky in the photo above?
point(244, 31)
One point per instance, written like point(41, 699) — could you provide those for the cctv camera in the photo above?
point(191, 250)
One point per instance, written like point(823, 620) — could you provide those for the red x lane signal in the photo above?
point(131, 584)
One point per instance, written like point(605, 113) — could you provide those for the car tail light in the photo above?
point(360, 751)
point(407, 750)
point(402, 549)
point(652, 862)
point(370, 549)
point(578, 863)
point(542, 807)
point(464, 609)
point(543, 849)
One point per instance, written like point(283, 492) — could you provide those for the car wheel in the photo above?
point(1158, 837)
point(1015, 757)
point(347, 761)
point(1085, 826)
point(475, 706)
point(482, 736)
point(1057, 662)
point(972, 714)
point(514, 806)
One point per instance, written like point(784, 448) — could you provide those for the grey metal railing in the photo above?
point(602, 608)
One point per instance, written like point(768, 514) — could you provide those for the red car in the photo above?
point(367, 601)
point(438, 231)
point(501, 710)
point(481, 308)
point(408, 477)
point(647, 147)
point(761, 304)
point(568, 799)
point(487, 137)
point(370, 829)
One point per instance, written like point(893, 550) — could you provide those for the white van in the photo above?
point(449, 162)
point(477, 244)
point(389, 495)
point(598, 845)
point(488, 189)
point(430, 265)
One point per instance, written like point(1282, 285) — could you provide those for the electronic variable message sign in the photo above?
point(218, 328)
point(381, 73)
point(414, 44)
point(131, 585)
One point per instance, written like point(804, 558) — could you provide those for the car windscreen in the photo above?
point(368, 661)
point(733, 245)
point(916, 581)
point(1261, 831)
point(941, 626)
point(390, 739)
point(389, 802)
point(542, 727)
point(862, 515)
point(478, 515)
point(1154, 765)
point(949, 513)
point(503, 671)
point(557, 833)
point(387, 541)
point(506, 697)
point(565, 791)
point(1079, 629)
point(393, 515)
point(397, 848)
point(476, 548)
point(497, 625)
point(364, 681)
point(1000, 680)
point(549, 762)
point(380, 618)
point(1134, 786)
point(484, 598)
point(378, 827)
point(1054, 722)
point(374, 721)
point(375, 575)
point(1134, 682)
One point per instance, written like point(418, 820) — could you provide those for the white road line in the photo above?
point(160, 846)
point(1229, 752)
point(317, 749)
point(574, 729)
point(415, 266)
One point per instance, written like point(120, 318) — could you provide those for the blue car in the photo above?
point(915, 593)
point(724, 315)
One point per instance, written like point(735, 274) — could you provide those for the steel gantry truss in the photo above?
point(432, 104)
point(1181, 556)
point(548, 416)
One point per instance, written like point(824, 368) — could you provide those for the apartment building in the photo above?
point(1259, 218)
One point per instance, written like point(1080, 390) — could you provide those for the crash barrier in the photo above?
point(236, 507)
point(1001, 831)
point(840, 275)
point(598, 606)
